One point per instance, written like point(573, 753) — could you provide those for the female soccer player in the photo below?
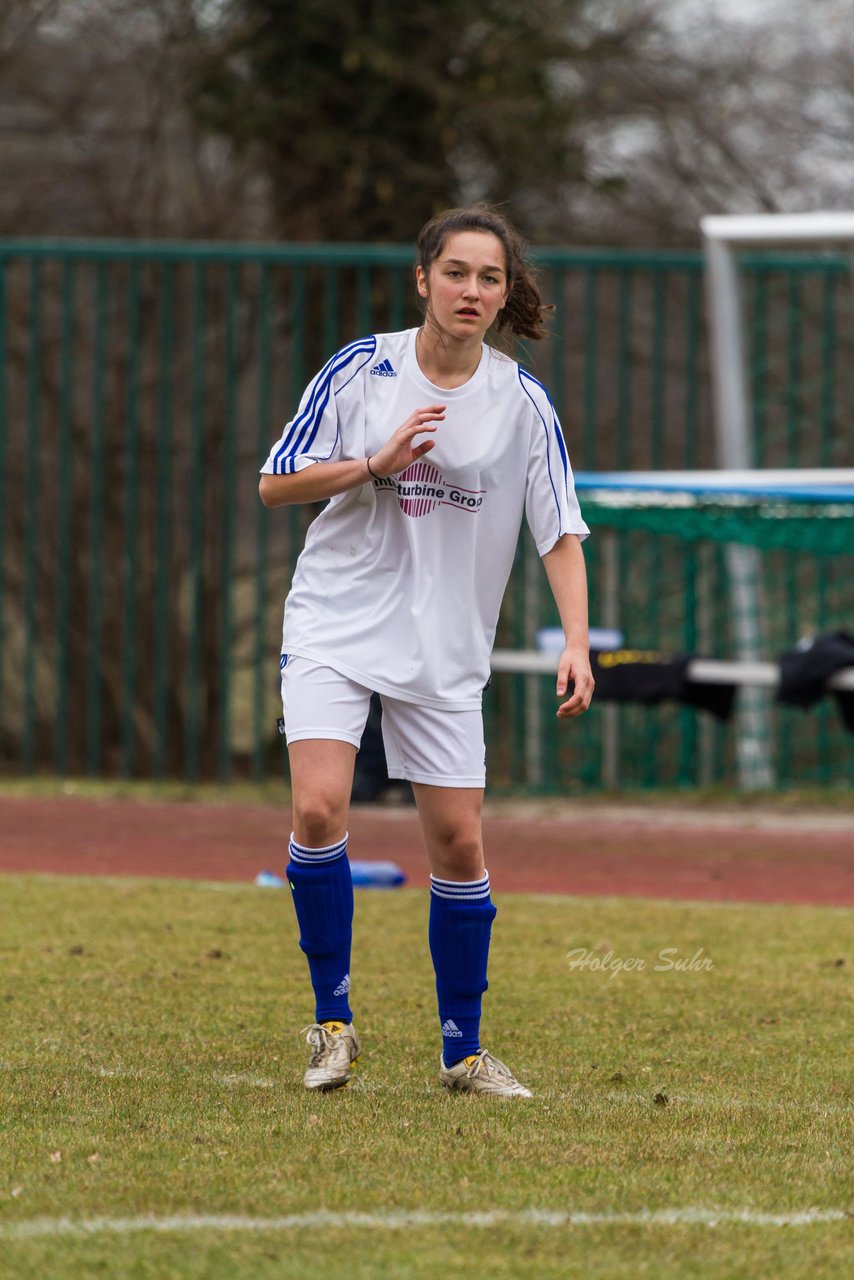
point(430, 445)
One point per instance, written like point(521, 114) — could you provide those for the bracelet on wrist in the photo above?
point(373, 473)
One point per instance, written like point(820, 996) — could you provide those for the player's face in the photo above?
point(466, 285)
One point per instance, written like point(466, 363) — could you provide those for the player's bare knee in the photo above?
point(319, 819)
point(458, 854)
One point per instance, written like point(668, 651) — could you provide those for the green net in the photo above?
point(681, 570)
point(822, 528)
point(719, 575)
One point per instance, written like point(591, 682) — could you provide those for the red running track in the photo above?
point(587, 850)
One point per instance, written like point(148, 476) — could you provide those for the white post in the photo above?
point(733, 423)
point(733, 440)
point(533, 684)
point(732, 418)
point(611, 619)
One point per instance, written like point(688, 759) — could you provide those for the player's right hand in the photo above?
point(399, 451)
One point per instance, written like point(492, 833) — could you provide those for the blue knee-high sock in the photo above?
point(322, 892)
point(461, 915)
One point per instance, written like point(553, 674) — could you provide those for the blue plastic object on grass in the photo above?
point(376, 875)
point(269, 880)
point(366, 875)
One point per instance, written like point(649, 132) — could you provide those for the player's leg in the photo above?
point(461, 912)
point(321, 781)
point(442, 755)
point(324, 717)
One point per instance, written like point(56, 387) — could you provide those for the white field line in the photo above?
point(40, 1228)
point(709, 1100)
point(232, 1079)
point(255, 1082)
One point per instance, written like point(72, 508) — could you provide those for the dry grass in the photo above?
point(150, 1064)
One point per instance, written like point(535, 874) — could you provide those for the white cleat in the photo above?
point(481, 1073)
point(335, 1051)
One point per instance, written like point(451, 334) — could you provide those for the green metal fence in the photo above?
point(141, 386)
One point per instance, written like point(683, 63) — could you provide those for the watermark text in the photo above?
point(668, 960)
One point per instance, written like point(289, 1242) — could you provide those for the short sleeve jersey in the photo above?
point(400, 582)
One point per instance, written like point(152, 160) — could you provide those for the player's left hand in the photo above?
point(574, 674)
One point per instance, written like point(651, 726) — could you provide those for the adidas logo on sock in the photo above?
point(450, 1028)
point(343, 986)
point(384, 370)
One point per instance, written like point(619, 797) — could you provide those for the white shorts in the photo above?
point(422, 744)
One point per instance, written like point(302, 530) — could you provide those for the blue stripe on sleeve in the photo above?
point(526, 377)
point(561, 444)
point(321, 382)
point(299, 437)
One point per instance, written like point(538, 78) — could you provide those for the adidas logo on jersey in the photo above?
point(450, 1028)
point(343, 986)
point(384, 370)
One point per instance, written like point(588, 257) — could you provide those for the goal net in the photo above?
point(782, 337)
point(739, 565)
point(661, 565)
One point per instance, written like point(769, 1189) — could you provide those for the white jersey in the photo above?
point(401, 580)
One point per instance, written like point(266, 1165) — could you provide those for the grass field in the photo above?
point(153, 1124)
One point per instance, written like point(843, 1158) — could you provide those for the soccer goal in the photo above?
point(665, 546)
point(769, 410)
point(740, 564)
point(751, 291)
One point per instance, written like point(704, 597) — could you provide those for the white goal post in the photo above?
point(723, 237)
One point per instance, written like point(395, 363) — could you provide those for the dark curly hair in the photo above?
point(524, 310)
